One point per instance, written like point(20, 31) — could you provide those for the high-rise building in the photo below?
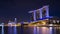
point(15, 20)
point(40, 13)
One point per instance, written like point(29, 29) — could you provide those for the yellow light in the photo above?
point(35, 25)
point(44, 23)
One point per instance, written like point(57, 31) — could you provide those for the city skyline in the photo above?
point(29, 16)
point(19, 9)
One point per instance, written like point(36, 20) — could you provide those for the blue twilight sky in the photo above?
point(19, 8)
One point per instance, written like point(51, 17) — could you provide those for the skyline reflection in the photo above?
point(31, 30)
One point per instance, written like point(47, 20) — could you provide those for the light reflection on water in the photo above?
point(12, 30)
point(50, 30)
point(42, 30)
point(15, 30)
point(31, 30)
point(9, 30)
point(46, 30)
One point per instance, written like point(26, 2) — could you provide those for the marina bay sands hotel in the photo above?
point(40, 13)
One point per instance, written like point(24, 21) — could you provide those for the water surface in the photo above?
point(30, 30)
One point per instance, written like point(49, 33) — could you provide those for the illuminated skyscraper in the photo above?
point(45, 11)
point(15, 20)
point(40, 13)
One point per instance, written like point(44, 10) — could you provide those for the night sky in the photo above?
point(20, 8)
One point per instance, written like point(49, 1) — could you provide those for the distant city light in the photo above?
point(58, 21)
point(50, 24)
point(54, 21)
